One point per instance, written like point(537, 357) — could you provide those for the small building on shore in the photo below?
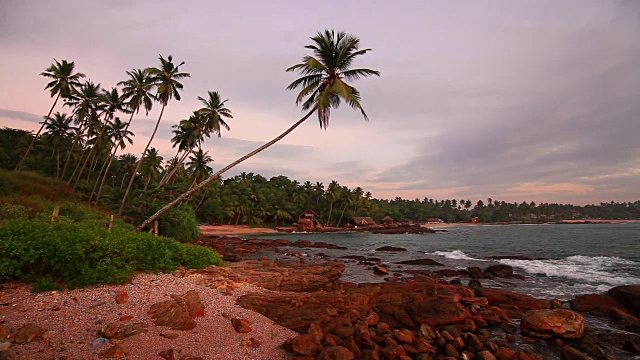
point(387, 220)
point(308, 220)
point(362, 221)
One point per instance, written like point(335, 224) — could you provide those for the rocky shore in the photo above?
point(420, 316)
point(270, 301)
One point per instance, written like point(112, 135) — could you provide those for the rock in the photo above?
point(474, 283)
point(390, 248)
point(485, 355)
point(27, 333)
point(170, 354)
point(122, 297)
point(380, 270)
point(438, 312)
point(305, 345)
point(241, 325)
point(428, 262)
point(475, 272)
point(194, 304)
point(547, 323)
point(3, 332)
point(114, 352)
point(503, 271)
point(5, 346)
point(571, 353)
point(404, 335)
point(504, 354)
point(170, 335)
point(252, 343)
point(596, 304)
point(335, 353)
point(450, 350)
point(174, 313)
point(508, 300)
point(393, 352)
point(315, 331)
point(130, 330)
point(352, 346)
point(126, 318)
point(373, 318)
point(627, 295)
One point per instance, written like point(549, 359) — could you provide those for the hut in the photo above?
point(362, 221)
point(308, 220)
point(387, 220)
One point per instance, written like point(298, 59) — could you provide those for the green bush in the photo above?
point(45, 283)
point(179, 223)
point(11, 211)
point(83, 253)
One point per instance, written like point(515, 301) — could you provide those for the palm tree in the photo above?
point(59, 129)
point(165, 80)
point(198, 165)
point(121, 136)
point(151, 166)
point(188, 134)
point(85, 103)
point(323, 85)
point(62, 84)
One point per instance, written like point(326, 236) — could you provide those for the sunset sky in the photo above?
point(513, 100)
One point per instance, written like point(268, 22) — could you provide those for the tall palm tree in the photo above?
point(165, 79)
point(121, 136)
point(323, 85)
point(59, 130)
point(64, 80)
point(198, 165)
point(188, 134)
point(151, 166)
point(85, 102)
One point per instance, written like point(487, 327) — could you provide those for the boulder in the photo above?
point(475, 272)
point(548, 323)
point(304, 345)
point(177, 313)
point(596, 304)
point(513, 302)
point(194, 305)
point(503, 271)
point(380, 270)
point(627, 295)
point(390, 248)
point(122, 297)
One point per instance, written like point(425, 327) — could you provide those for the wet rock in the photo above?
point(627, 295)
point(428, 262)
point(474, 283)
point(503, 271)
point(511, 301)
point(548, 323)
point(390, 248)
point(485, 355)
point(596, 304)
point(380, 270)
point(27, 333)
point(241, 325)
point(475, 272)
point(360, 258)
point(571, 353)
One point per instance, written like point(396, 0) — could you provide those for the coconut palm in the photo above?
point(59, 130)
point(64, 80)
point(198, 165)
point(151, 166)
point(188, 134)
point(165, 79)
point(323, 84)
point(85, 103)
point(120, 137)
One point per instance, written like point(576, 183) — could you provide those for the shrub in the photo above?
point(179, 223)
point(45, 283)
point(11, 211)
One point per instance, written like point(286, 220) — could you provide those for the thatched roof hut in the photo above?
point(387, 220)
point(362, 221)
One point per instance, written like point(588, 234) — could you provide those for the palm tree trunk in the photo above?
point(217, 174)
point(342, 214)
point(104, 178)
point(124, 176)
point(133, 176)
point(38, 133)
point(90, 153)
point(98, 180)
point(330, 211)
point(58, 165)
point(175, 168)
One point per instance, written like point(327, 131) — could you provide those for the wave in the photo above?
point(454, 254)
point(596, 270)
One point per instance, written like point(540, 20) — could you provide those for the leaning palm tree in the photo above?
point(166, 82)
point(198, 165)
point(151, 166)
point(59, 130)
point(121, 136)
point(188, 134)
point(323, 85)
point(64, 81)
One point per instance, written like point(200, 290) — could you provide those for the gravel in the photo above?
point(70, 320)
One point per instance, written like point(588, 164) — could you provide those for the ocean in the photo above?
point(559, 261)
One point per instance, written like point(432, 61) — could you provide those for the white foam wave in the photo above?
point(584, 269)
point(455, 254)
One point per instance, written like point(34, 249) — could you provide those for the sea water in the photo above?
point(558, 260)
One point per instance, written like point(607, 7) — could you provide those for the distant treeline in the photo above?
point(252, 199)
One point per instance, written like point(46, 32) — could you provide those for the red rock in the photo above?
point(351, 345)
point(126, 317)
point(485, 355)
point(109, 330)
point(173, 314)
point(315, 331)
point(253, 343)
point(380, 270)
point(194, 304)
point(504, 271)
point(331, 340)
point(383, 328)
point(627, 295)
point(547, 323)
point(508, 299)
point(504, 354)
point(114, 351)
point(305, 345)
point(335, 353)
point(3, 332)
point(170, 354)
point(241, 325)
point(393, 352)
point(122, 297)
point(27, 333)
point(130, 330)
point(170, 335)
point(373, 318)
point(571, 353)
point(404, 335)
point(596, 304)
point(437, 312)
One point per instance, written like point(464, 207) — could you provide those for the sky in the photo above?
point(512, 100)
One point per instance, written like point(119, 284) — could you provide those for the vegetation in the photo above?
point(76, 248)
